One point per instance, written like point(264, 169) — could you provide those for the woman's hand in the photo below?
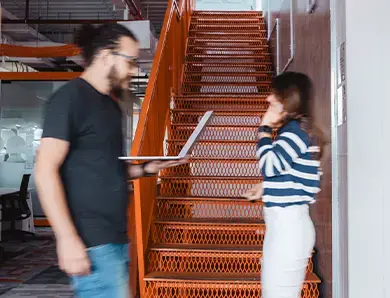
point(254, 194)
point(274, 115)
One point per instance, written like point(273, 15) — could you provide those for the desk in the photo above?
point(25, 225)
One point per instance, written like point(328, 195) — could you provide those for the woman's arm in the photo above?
point(278, 156)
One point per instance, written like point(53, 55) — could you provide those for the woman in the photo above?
point(291, 179)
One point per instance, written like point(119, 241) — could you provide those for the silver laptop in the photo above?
point(187, 149)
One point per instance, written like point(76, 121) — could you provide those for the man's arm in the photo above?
point(58, 129)
point(51, 154)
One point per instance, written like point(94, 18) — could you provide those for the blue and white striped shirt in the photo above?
point(291, 176)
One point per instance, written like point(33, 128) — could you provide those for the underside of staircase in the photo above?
point(205, 240)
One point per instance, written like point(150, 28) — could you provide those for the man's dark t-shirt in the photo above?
point(93, 177)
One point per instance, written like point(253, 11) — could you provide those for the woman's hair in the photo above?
point(92, 39)
point(295, 92)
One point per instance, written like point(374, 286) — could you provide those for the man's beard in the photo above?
point(116, 84)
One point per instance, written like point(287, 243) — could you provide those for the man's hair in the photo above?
point(92, 40)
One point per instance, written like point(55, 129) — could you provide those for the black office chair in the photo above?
point(14, 208)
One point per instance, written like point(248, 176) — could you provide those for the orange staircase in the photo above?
point(203, 239)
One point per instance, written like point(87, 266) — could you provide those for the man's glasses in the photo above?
point(133, 61)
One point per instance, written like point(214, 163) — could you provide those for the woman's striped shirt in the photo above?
point(290, 174)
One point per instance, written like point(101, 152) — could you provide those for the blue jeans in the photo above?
point(109, 276)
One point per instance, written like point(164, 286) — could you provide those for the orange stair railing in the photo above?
point(165, 79)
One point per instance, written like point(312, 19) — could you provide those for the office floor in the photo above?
point(29, 269)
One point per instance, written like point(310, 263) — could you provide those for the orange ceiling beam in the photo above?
point(39, 76)
point(39, 52)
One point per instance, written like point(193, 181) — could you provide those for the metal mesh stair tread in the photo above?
point(226, 21)
point(215, 277)
point(226, 44)
point(226, 15)
point(226, 38)
point(214, 248)
point(264, 47)
point(229, 97)
point(216, 141)
point(228, 199)
point(209, 177)
point(258, 35)
point(199, 26)
point(216, 111)
point(229, 64)
point(241, 84)
point(202, 39)
point(207, 158)
point(207, 248)
point(228, 74)
point(230, 33)
point(207, 221)
point(226, 56)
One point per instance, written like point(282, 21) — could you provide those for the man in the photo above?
point(81, 183)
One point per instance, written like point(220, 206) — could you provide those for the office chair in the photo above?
point(14, 208)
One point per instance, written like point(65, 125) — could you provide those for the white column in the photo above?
point(368, 114)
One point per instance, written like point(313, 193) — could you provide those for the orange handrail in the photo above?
point(165, 79)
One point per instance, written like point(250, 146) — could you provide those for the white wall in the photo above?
point(368, 107)
point(340, 155)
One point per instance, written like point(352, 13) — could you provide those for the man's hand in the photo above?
point(254, 194)
point(153, 167)
point(72, 256)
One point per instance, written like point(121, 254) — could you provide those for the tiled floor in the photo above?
point(30, 269)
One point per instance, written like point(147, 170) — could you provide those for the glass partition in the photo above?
point(21, 117)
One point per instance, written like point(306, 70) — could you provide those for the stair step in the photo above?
point(223, 13)
point(216, 133)
point(183, 208)
point(222, 232)
point(196, 50)
point(226, 27)
point(232, 39)
point(227, 89)
point(220, 117)
point(161, 284)
point(219, 78)
point(227, 67)
point(264, 84)
point(207, 186)
point(195, 103)
point(216, 277)
point(216, 285)
point(207, 42)
point(190, 259)
point(260, 34)
point(232, 59)
point(206, 248)
point(227, 21)
point(212, 149)
point(231, 50)
point(215, 168)
point(207, 259)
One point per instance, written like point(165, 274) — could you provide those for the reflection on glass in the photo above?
point(21, 118)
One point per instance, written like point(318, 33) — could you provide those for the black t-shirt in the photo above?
point(93, 177)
